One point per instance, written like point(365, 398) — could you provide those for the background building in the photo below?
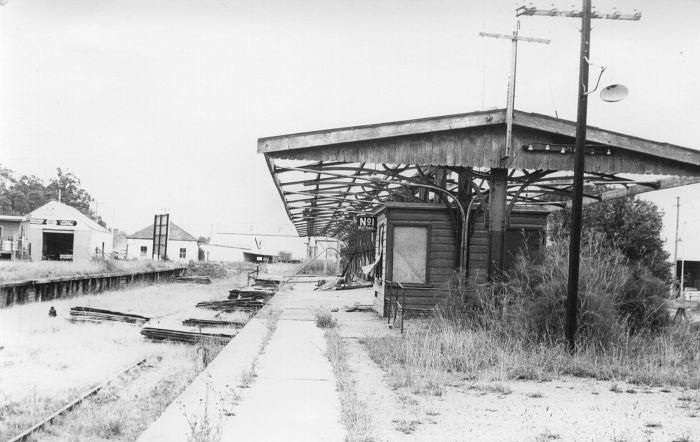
point(181, 245)
point(58, 232)
point(13, 238)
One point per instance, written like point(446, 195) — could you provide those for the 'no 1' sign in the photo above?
point(366, 223)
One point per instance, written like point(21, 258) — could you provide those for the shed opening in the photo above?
point(57, 246)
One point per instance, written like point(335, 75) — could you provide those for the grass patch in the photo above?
point(406, 426)
point(216, 270)
point(22, 270)
point(125, 408)
point(430, 354)
point(546, 436)
point(248, 375)
point(514, 330)
point(496, 388)
point(355, 414)
point(324, 318)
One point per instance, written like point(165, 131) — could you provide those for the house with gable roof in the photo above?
point(181, 246)
point(58, 232)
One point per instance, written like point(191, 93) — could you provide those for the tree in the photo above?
point(201, 253)
point(23, 194)
point(632, 225)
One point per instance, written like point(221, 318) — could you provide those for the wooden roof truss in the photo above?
point(323, 198)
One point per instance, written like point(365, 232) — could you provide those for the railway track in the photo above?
point(24, 435)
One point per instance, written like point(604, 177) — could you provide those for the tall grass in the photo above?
point(514, 329)
point(22, 270)
point(355, 412)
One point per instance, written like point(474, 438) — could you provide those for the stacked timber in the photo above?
point(232, 305)
point(355, 285)
point(89, 314)
point(359, 308)
point(191, 337)
point(250, 292)
point(195, 279)
point(268, 283)
point(193, 322)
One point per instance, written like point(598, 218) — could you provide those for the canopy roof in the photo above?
point(326, 178)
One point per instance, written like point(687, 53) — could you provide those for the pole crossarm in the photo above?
point(533, 11)
point(515, 37)
point(510, 100)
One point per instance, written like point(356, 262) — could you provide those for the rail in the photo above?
point(24, 435)
point(46, 289)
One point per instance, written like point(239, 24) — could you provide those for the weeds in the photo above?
point(492, 388)
point(207, 426)
point(207, 349)
point(324, 318)
point(514, 330)
point(248, 375)
point(213, 270)
point(406, 426)
point(547, 435)
point(18, 270)
point(355, 413)
point(124, 409)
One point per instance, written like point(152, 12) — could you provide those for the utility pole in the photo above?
point(499, 176)
point(675, 249)
point(510, 105)
point(579, 154)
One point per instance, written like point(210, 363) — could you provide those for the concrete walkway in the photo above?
point(293, 394)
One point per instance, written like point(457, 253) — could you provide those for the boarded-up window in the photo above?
point(410, 254)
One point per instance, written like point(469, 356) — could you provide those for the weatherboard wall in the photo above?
point(525, 233)
point(133, 249)
point(441, 255)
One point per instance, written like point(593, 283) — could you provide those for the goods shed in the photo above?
point(58, 232)
point(449, 195)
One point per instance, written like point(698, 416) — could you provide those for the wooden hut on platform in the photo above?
point(451, 199)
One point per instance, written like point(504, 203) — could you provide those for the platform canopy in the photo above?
point(327, 178)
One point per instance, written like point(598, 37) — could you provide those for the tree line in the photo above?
point(21, 194)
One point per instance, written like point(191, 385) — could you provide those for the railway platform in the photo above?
point(273, 381)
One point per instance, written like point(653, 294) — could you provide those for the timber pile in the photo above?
point(250, 292)
point(268, 283)
point(98, 315)
point(351, 286)
point(359, 308)
point(193, 322)
point(196, 279)
point(232, 305)
point(332, 284)
point(164, 334)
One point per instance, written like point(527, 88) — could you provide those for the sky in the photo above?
point(157, 104)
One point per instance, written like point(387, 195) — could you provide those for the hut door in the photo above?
point(409, 257)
